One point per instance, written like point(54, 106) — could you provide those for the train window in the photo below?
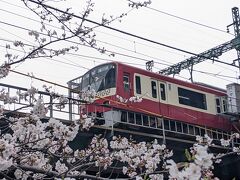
point(124, 116)
point(192, 98)
point(224, 104)
point(218, 105)
point(154, 89)
point(166, 124)
point(163, 91)
point(145, 120)
point(185, 128)
point(220, 135)
point(131, 118)
point(179, 127)
point(209, 133)
point(138, 119)
point(126, 84)
point(159, 123)
point(191, 129)
point(197, 131)
point(152, 122)
point(214, 135)
point(203, 132)
point(172, 126)
point(138, 84)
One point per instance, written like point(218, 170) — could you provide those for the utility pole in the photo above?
point(212, 53)
point(236, 26)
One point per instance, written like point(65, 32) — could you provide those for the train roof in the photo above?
point(196, 85)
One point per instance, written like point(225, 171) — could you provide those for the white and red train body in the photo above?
point(162, 96)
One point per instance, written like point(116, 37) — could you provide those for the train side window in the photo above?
point(163, 91)
point(138, 84)
point(126, 83)
point(154, 89)
point(145, 120)
point(153, 122)
point(192, 98)
point(218, 105)
point(138, 119)
point(124, 116)
point(224, 104)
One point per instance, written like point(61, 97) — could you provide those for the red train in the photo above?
point(172, 99)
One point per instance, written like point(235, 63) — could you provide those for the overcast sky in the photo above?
point(162, 22)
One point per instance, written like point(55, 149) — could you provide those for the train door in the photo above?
point(163, 98)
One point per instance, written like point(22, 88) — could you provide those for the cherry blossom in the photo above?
point(34, 146)
point(133, 99)
point(4, 70)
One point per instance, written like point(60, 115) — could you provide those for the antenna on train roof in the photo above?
point(149, 65)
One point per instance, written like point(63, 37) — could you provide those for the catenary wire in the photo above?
point(187, 20)
point(203, 72)
point(117, 30)
point(104, 41)
point(72, 54)
point(122, 54)
point(96, 31)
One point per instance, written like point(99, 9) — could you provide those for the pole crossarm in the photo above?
point(209, 54)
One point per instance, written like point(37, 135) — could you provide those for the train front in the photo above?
point(97, 87)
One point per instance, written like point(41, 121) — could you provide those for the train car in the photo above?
point(164, 97)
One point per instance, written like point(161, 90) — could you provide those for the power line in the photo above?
point(72, 54)
point(96, 31)
point(113, 52)
point(187, 20)
point(114, 29)
point(76, 65)
point(107, 27)
point(98, 40)
point(91, 57)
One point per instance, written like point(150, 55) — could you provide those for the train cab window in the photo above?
point(126, 83)
point(138, 84)
point(154, 89)
point(192, 98)
point(163, 91)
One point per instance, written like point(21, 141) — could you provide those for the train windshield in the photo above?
point(99, 78)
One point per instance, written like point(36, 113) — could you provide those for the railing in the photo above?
point(49, 99)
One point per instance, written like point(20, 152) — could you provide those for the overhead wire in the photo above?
point(101, 41)
point(115, 29)
point(134, 36)
point(72, 54)
point(84, 55)
point(187, 20)
point(63, 62)
point(203, 72)
point(95, 30)
point(126, 33)
point(175, 16)
point(120, 47)
point(113, 52)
